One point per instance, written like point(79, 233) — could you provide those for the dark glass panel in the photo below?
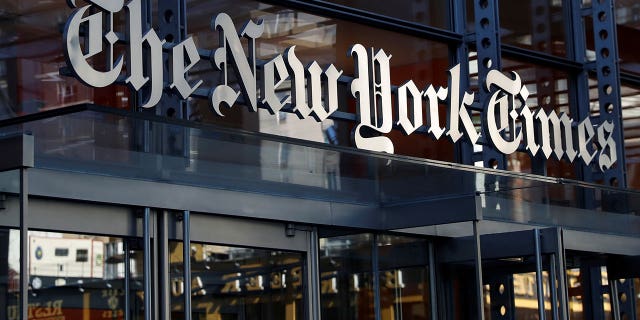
point(327, 41)
point(548, 89)
point(427, 12)
point(534, 24)
point(346, 277)
point(627, 17)
point(238, 283)
point(31, 56)
point(65, 286)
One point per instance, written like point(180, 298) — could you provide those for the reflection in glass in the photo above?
point(327, 41)
point(430, 13)
point(543, 30)
point(548, 89)
point(404, 278)
point(630, 102)
point(627, 17)
point(32, 55)
point(238, 283)
point(346, 278)
point(71, 276)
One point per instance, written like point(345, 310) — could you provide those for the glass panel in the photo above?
point(628, 29)
point(110, 144)
point(327, 41)
point(548, 89)
point(63, 287)
point(630, 101)
point(9, 273)
point(431, 13)
point(32, 56)
point(543, 30)
point(238, 283)
point(404, 278)
point(346, 277)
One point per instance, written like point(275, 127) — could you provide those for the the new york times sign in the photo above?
point(314, 89)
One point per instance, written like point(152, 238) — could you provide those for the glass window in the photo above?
point(346, 278)
point(238, 283)
point(630, 99)
point(628, 29)
point(327, 41)
point(548, 89)
point(32, 55)
point(9, 273)
point(431, 13)
point(90, 284)
point(404, 278)
point(535, 25)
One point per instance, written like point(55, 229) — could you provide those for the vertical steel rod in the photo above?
point(186, 262)
point(24, 244)
point(615, 302)
point(313, 270)
point(162, 265)
point(376, 278)
point(146, 235)
point(539, 283)
point(562, 283)
point(479, 285)
point(127, 280)
point(553, 287)
point(432, 282)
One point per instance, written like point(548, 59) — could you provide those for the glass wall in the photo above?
point(354, 268)
point(238, 283)
point(71, 276)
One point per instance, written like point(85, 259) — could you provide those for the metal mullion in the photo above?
point(146, 243)
point(539, 283)
point(562, 276)
point(552, 286)
point(24, 244)
point(433, 292)
point(127, 279)
point(372, 19)
point(186, 262)
point(313, 276)
point(478, 262)
point(376, 280)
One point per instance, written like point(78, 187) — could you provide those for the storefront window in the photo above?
point(238, 283)
point(9, 273)
point(404, 278)
point(71, 276)
point(542, 28)
point(346, 277)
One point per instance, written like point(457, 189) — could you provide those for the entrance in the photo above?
point(240, 269)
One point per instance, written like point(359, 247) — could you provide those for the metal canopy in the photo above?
point(118, 157)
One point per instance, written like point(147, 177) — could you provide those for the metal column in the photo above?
point(487, 40)
point(24, 244)
point(313, 276)
point(186, 262)
point(146, 240)
point(608, 73)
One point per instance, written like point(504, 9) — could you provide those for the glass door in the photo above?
point(241, 269)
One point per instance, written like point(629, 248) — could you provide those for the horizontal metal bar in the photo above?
point(387, 23)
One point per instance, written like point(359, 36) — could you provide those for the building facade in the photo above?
point(417, 159)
